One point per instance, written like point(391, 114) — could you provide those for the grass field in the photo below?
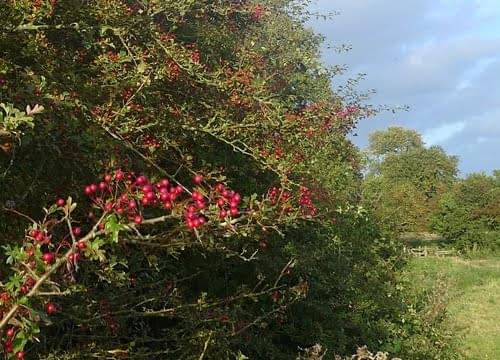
point(473, 300)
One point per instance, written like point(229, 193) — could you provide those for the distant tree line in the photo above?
point(414, 188)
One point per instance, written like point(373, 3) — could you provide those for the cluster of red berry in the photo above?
point(194, 216)
point(128, 195)
point(278, 195)
point(258, 12)
point(125, 193)
point(10, 334)
point(173, 70)
point(112, 56)
point(8, 345)
point(227, 202)
point(151, 141)
point(306, 203)
point(349, 110)
point(27, 286)
point(282, 197)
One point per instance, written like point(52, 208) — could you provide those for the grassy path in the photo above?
point(473, 300)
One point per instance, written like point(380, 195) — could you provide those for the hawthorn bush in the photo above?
point(177, 183)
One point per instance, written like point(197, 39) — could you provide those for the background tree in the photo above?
point(394, 140)
point(405, 179)
point(469, 214)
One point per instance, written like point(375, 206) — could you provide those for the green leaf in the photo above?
point(114, 227)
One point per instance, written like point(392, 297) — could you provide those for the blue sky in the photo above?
point(439, 57)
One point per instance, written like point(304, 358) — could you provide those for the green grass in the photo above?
point(473, 300)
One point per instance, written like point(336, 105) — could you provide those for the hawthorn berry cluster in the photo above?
point(306, 203)
point(194, 216)
point(8, 345)
point(227, 202)
point(127, 194)
point(283, 198)
point(278, 195)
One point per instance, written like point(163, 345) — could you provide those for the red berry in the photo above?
point(234, 212)
point(132, 204)
point(93, 187)
point(109, 206)
point(77, 231)
point(220, 187)
point(119, 175)
point(138, 219)
point(40, 236)
point(61, 202)
point(88, 190)
point(51, 308)
point(20, 355)
point(82, 245)
point(30, 282)
point(222, 214)
point(24, 290)
point(167, 205)
point(108, 178)
point(74, 257)
point(164, 183)
point(103, 186)
point(198, 179)
point(48, 258)
point(10, 332)
point(141, 180)
point(197, 196)
point(9, 347)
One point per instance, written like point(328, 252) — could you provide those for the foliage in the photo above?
point(469, 214)
point(204, 196)
point(394, 140)
point(405, 180)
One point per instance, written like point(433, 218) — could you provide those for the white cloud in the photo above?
point(439, 57)
point(443, 133)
